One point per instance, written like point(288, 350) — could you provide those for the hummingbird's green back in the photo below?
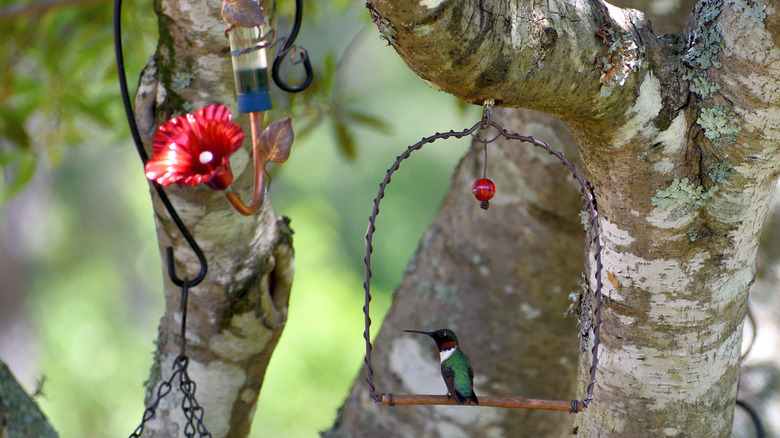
point(461, 367)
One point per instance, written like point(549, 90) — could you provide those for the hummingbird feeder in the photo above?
point(250, 39)
point(484, 189)
point(250, 72)
point(250, 69)
point(194, 148)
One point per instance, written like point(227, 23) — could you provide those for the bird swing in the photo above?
point(456, 369)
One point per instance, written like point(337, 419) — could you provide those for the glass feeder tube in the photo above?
point(250, 69)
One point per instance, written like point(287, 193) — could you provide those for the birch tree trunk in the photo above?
point(236, 315)
point(676, 133)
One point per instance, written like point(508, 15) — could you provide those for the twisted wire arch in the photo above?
point(590, 202)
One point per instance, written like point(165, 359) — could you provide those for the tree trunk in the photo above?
point(20, 415)
point(677, 136)
point(236, 315)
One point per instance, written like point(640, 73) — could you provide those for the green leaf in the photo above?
point(328, 73)
point(369, 120)
point(12, 128)
point(20, 169)
point(345, 139)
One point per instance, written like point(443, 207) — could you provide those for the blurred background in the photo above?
point(80, 275)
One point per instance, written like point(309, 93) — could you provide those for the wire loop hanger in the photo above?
point(289, 46)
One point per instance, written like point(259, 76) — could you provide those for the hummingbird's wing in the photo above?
point(473, 397)
point(449, 380)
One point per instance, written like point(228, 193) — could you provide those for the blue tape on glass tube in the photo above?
point(254, 102)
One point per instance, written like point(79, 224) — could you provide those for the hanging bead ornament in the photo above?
point(484, 190)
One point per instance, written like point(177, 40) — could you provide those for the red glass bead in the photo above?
point(483, 189)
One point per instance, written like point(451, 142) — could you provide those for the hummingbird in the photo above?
point(455, 365)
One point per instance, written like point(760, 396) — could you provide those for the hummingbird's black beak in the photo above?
point(417, 331)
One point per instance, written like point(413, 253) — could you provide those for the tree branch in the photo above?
point(237, 314)
point(19, 414)
point(548, 57)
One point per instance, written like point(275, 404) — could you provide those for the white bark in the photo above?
point(678, 137)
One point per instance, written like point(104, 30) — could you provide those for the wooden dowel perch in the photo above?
point(572, 406)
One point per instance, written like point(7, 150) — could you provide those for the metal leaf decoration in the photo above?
point(276, 141)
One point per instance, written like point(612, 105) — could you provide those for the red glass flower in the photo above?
point(194, 149)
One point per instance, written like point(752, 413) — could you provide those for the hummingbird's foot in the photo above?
point(229, 28)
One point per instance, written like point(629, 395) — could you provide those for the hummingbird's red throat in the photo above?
point(448, 345)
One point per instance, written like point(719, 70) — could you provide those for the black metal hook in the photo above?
point(172, 263)
point(754, 417)
point(487, 113)
point(288, 46)
point(120, 65)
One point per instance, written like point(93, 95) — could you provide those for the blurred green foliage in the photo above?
point(81, 272)
point(58, 78)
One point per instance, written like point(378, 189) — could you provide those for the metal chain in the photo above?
point(193, 412)
point(590, 202)
point(189, 405)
